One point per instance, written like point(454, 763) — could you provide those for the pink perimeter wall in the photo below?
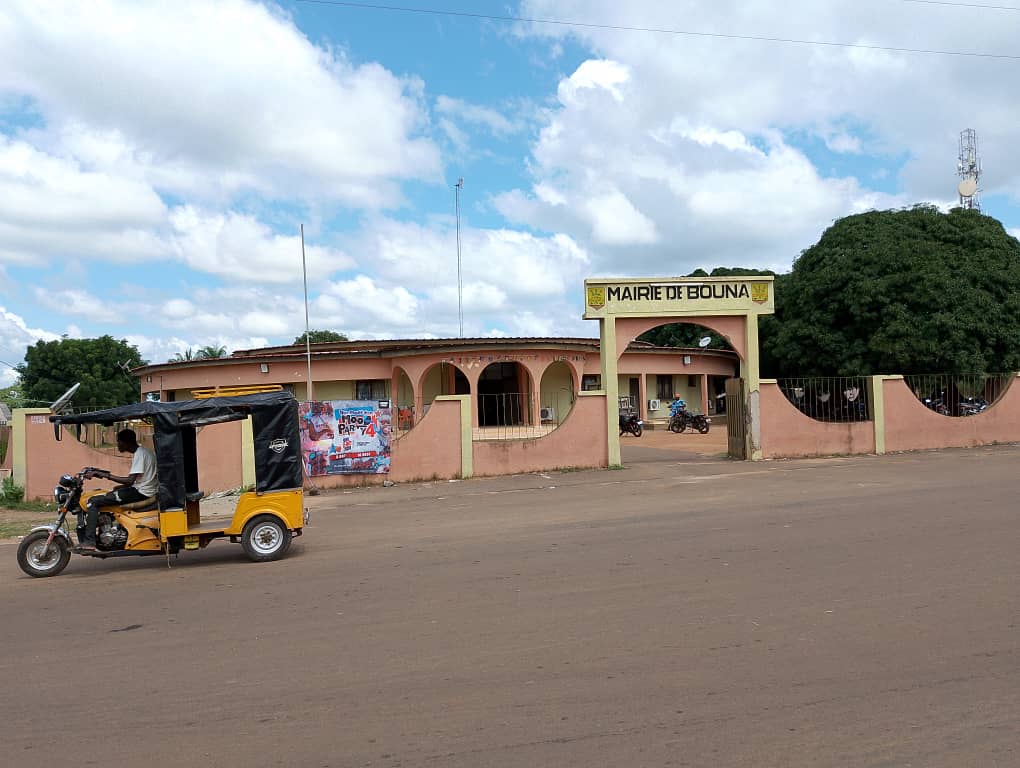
point(910, 426)
point(788, 433)
point(430, 450)
point(580, 441)
point(46, 459)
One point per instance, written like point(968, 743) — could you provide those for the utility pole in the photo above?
point(460, 283)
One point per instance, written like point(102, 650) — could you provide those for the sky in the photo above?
point(158, 159)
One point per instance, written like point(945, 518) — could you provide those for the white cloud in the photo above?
point(474, 114)
point(217, 96)
point(650, 190)
point(15, 337)
point(240, 247)
point(79, 303)
point(52, 206)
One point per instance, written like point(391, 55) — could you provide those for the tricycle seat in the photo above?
point(142, 505)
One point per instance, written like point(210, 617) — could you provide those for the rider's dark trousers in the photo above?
point(122, 494)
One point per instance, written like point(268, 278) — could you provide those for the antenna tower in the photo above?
point(968, 168)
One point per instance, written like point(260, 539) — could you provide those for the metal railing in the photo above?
point(511, 416)
point(831, 398)
point(958, 394)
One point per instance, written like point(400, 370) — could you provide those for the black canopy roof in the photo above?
point(212, 410)
point(277, 441)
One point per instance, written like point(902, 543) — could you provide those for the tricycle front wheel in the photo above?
point(38, 560)
point(265, 538)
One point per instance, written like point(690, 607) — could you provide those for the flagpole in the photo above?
point(308, 333)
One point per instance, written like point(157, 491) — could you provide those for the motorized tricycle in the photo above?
point(264, 521)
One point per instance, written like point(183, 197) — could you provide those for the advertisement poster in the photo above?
point(343, 437)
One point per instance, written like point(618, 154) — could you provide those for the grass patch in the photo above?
point(29, 506)
point(11, 528)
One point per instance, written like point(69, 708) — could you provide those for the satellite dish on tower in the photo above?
point(705, 341)
point(967, 187)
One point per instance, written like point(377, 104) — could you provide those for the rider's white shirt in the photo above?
point(143, 463)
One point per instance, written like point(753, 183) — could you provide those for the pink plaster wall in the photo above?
point(431, 449)
point(46, 459)
point(788, 433)
point(636, 363)
point(219, 457)
point(580, 441)
point(910, 426)
point(731, 327)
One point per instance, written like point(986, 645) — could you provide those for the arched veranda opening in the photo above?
point(505, 396)
point(441, 379)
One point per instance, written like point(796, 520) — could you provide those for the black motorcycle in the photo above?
point(681, 421)
point(629, 422)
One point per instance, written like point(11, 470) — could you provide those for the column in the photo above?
point(610, 385)
point(704, 393)
point(752, 389)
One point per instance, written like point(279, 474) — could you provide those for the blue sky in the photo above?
point(157, 159)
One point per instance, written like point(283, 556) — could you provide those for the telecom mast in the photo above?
point(968, 168)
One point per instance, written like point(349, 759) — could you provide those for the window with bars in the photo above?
point(370, 389)
point(664, 387)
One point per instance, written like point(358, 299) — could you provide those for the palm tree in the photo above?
point(211, 352)
point(183, 357)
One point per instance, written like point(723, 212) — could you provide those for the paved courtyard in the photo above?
point(845, 612)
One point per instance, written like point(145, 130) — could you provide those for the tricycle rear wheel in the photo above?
point(265, 538)
point(38, 561)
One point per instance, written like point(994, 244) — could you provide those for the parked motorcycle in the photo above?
point(629, 422)
point(679, 422)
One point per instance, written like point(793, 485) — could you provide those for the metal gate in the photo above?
point(736, 419)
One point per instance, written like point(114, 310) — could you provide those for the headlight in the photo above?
point(60, 495)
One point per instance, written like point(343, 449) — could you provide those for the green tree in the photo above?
point(100, 365)
point(316, 337)
point(687, 334)
point(211, 352)
point(183, 357)
point(908, 291)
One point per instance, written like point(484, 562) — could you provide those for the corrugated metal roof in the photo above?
point(399, 347)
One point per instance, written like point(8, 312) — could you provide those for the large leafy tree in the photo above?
point(100, 365)
point(908, 291)
point(315, 337)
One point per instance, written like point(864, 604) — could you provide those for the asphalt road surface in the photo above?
point(845, 612)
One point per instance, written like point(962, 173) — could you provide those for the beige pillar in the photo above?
point(876, 393)
point(704, 393)
point(611, 386)
point(749, 372)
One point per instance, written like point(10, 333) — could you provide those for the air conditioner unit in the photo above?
point(547, 414)
point(654, 405)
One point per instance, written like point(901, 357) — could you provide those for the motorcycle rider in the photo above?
point(678, 406)
point(140, 483)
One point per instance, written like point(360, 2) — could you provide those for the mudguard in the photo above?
point(51, 527)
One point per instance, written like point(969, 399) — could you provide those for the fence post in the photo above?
point(876, 393)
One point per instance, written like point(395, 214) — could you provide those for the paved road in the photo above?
point(857, 612)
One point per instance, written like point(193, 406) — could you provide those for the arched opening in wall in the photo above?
point(403, 402)
point(505, 396)
point(679, 359)
point(557, 393)
point(959, 394)
point(442, 379)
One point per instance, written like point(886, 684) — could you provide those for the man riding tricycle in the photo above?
point(126, 521)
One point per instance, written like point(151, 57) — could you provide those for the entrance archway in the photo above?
point(730, 306)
